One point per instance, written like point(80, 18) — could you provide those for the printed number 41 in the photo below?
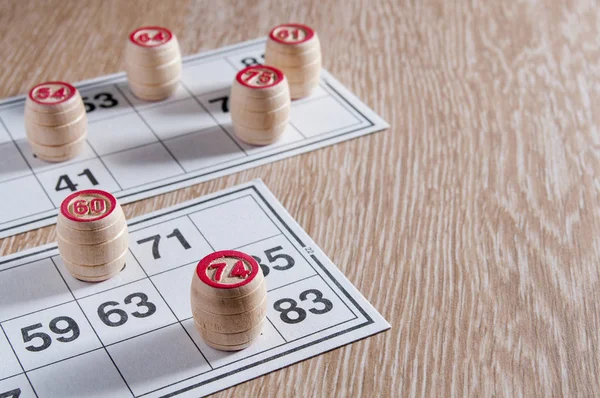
point(65, 182)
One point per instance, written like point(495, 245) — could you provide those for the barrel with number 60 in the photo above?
point(92, 235)
point(55, 121)
point(229, 300)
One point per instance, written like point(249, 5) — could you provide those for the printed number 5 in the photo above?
point(271, 257)
point(16, 393)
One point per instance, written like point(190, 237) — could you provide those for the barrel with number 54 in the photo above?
point(229, 300)
point(55, 121)
point(92, 235)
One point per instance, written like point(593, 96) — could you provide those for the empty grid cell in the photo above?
point(119, 133)
point(234, 224)
point(158, 358)
point(12, 164)
point(142, 165)
point(317, 92)
point(39, 165)
point(90, 375)
point(50, 335)
point(13, 118)
point(289, 136)
point(204, 149)
point(9, 366)
point(208, 76)
point(16, 387)
point(180, 94)
point(132, 272)
point(104, 101)
point(22, 197)
point(321, 116)
point(168, 245)
point(126, 311)
point(63, 181)
point(4, 136)
point(31, 287)
point(268, 339)
point(174, 286)
point(177, 118)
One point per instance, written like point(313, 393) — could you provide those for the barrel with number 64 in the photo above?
point(92, 235)
point(153, 63)
point(229, 300)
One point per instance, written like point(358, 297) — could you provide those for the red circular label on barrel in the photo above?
point(291, 33)
point(259, 76)
point(88, 205)
point(227, 269)
point(151, 36)
point(52, 93)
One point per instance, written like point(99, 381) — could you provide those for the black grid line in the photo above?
point(92, 327)
point(197, 173)
point(18, 360)
point(289, 234)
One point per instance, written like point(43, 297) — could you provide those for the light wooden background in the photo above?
point(472, 224)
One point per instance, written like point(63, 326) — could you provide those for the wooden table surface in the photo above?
point(472, 224)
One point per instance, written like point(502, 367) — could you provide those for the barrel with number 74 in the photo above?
point(229, 300)
point(92, 235)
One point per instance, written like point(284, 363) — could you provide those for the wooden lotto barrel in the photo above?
point(228, 299)
point(153, 63)
point(259, 104)
point(295, 50)
point(92, 235)
point(55, 121)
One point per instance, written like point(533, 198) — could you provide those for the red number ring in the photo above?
point(307, 30)
point(206, 261)
point(72, 91)
point(64, 207)
point(159, 28)
point(277, 72)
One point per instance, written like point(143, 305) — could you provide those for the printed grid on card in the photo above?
point(138, 149)
point(134, 334)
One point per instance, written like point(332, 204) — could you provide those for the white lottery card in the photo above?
point(134, 334)
point(138, 149)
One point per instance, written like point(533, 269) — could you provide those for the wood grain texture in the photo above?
point(480, 203)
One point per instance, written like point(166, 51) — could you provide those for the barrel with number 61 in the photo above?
point(229, 300)
point(92, 235)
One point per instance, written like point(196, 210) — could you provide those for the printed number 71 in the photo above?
point(155, 239)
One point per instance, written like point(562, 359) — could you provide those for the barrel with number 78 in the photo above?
point(92, 235)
